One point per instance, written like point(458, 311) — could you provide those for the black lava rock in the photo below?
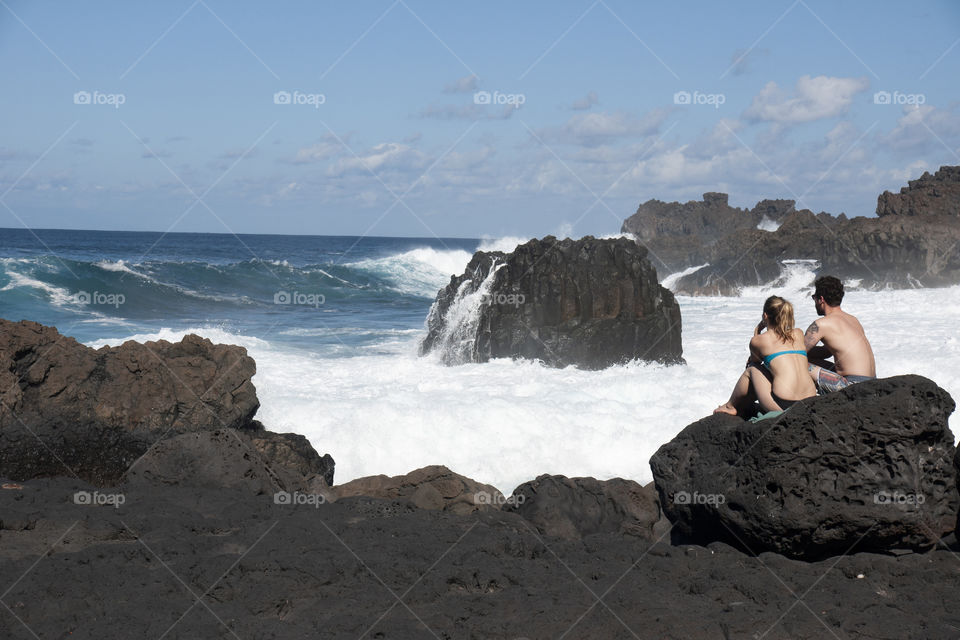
point(865, 468)
point(589, 303)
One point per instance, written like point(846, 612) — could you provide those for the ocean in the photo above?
point(334, 323)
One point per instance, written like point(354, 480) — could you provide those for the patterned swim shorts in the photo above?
point(829, 381)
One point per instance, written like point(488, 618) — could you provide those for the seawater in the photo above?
point(345, 373)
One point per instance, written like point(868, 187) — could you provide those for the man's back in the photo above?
point(843, 335)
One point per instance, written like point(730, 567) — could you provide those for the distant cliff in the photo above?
point(913, 242)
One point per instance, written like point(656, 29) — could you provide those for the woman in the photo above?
point(776, 374)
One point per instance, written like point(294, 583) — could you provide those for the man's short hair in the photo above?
point(830, 288)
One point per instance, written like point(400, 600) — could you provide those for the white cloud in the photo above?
point(812, 99)
point(386, 155)
point(466, 84)
point(584, 103)
point(592, 129)
point(741, 59)
point(318, 152)
point(924, 127)
point(470, 111)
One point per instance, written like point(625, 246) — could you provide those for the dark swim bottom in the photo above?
point(783, 404)
point(828, 381)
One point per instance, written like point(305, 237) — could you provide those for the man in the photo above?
point(843, 339)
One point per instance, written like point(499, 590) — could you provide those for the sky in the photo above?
point(423, 119)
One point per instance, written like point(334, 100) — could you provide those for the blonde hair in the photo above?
point(780, 315)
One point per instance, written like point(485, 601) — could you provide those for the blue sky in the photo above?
point(392, 135)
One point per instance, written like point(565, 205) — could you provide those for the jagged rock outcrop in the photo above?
point(868, 468)
point(255, 462)
point(589, 303)
point(572, 508)
point(913, 242)
point(676, 234)
point(67, 409)
point(929, 195)
point(435, 488)
point(292, 452)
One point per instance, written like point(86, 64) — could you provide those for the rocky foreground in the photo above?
point(220, 563)
point(834, 519)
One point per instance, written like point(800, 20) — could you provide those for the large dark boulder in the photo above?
point(67, 409)
point(865, 468)
point(590, 303)
point(912, 242)
point(572, 508)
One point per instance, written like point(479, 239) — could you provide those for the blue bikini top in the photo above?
point(768, 359)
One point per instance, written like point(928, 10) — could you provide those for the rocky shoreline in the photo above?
point(220, 528)
point(912, 243)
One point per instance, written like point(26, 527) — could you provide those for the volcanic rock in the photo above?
point(572, 508)
point(930, 195)
point(433, 488)
point(209, 459)
point(217, 563)
point(914, 242)
point(292, 452)
point(69, 409)
point(865, 468)
point(589, 303)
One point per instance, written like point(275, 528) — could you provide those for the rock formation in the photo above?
point(913, 242)
point(865, 468)
point(572, 508)
point(677, 235)
point(67, 409)
point(936, 195)
point(590, 303)
point(433, 488)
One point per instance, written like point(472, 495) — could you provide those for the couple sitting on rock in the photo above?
point(787, 365)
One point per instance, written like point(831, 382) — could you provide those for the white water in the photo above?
point(415, 272)
point(506, 422)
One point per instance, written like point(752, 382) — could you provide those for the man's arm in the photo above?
point(810, 340)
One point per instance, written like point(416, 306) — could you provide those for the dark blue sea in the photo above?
point(331, 294)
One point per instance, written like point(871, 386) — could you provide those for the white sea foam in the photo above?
point(455, 343)
point(58, 296)
point(420, 272)
point(506, 244)
point(671, 279)
point(766, 224)
point(506, 422)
